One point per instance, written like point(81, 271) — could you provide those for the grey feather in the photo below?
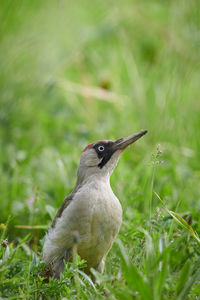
point(64, 205)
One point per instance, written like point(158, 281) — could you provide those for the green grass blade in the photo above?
point(184, 276)
point(184, 224)
point(188, 285)
point(162, 275)
point(134, 277)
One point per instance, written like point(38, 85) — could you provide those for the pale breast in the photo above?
point(96, 214)
point(105, 225)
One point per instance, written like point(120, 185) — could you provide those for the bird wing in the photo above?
point(65, 203)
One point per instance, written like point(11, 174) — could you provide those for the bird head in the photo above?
point(101, 157)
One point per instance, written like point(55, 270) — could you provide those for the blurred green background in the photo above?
point(73, 72)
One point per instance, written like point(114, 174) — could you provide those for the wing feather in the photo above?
point(64, 205)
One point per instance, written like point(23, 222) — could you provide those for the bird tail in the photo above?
point(46, 273)
point(55, 266)
point(53, 270)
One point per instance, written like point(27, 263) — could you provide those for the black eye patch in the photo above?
point(104, 151)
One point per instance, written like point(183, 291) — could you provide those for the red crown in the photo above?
point(88, 146)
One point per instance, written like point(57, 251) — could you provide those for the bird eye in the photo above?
point(101, 148)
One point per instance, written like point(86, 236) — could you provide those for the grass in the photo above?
point(55, 58)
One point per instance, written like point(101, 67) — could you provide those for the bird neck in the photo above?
point(93, 177)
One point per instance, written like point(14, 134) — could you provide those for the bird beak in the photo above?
point(123, 143)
